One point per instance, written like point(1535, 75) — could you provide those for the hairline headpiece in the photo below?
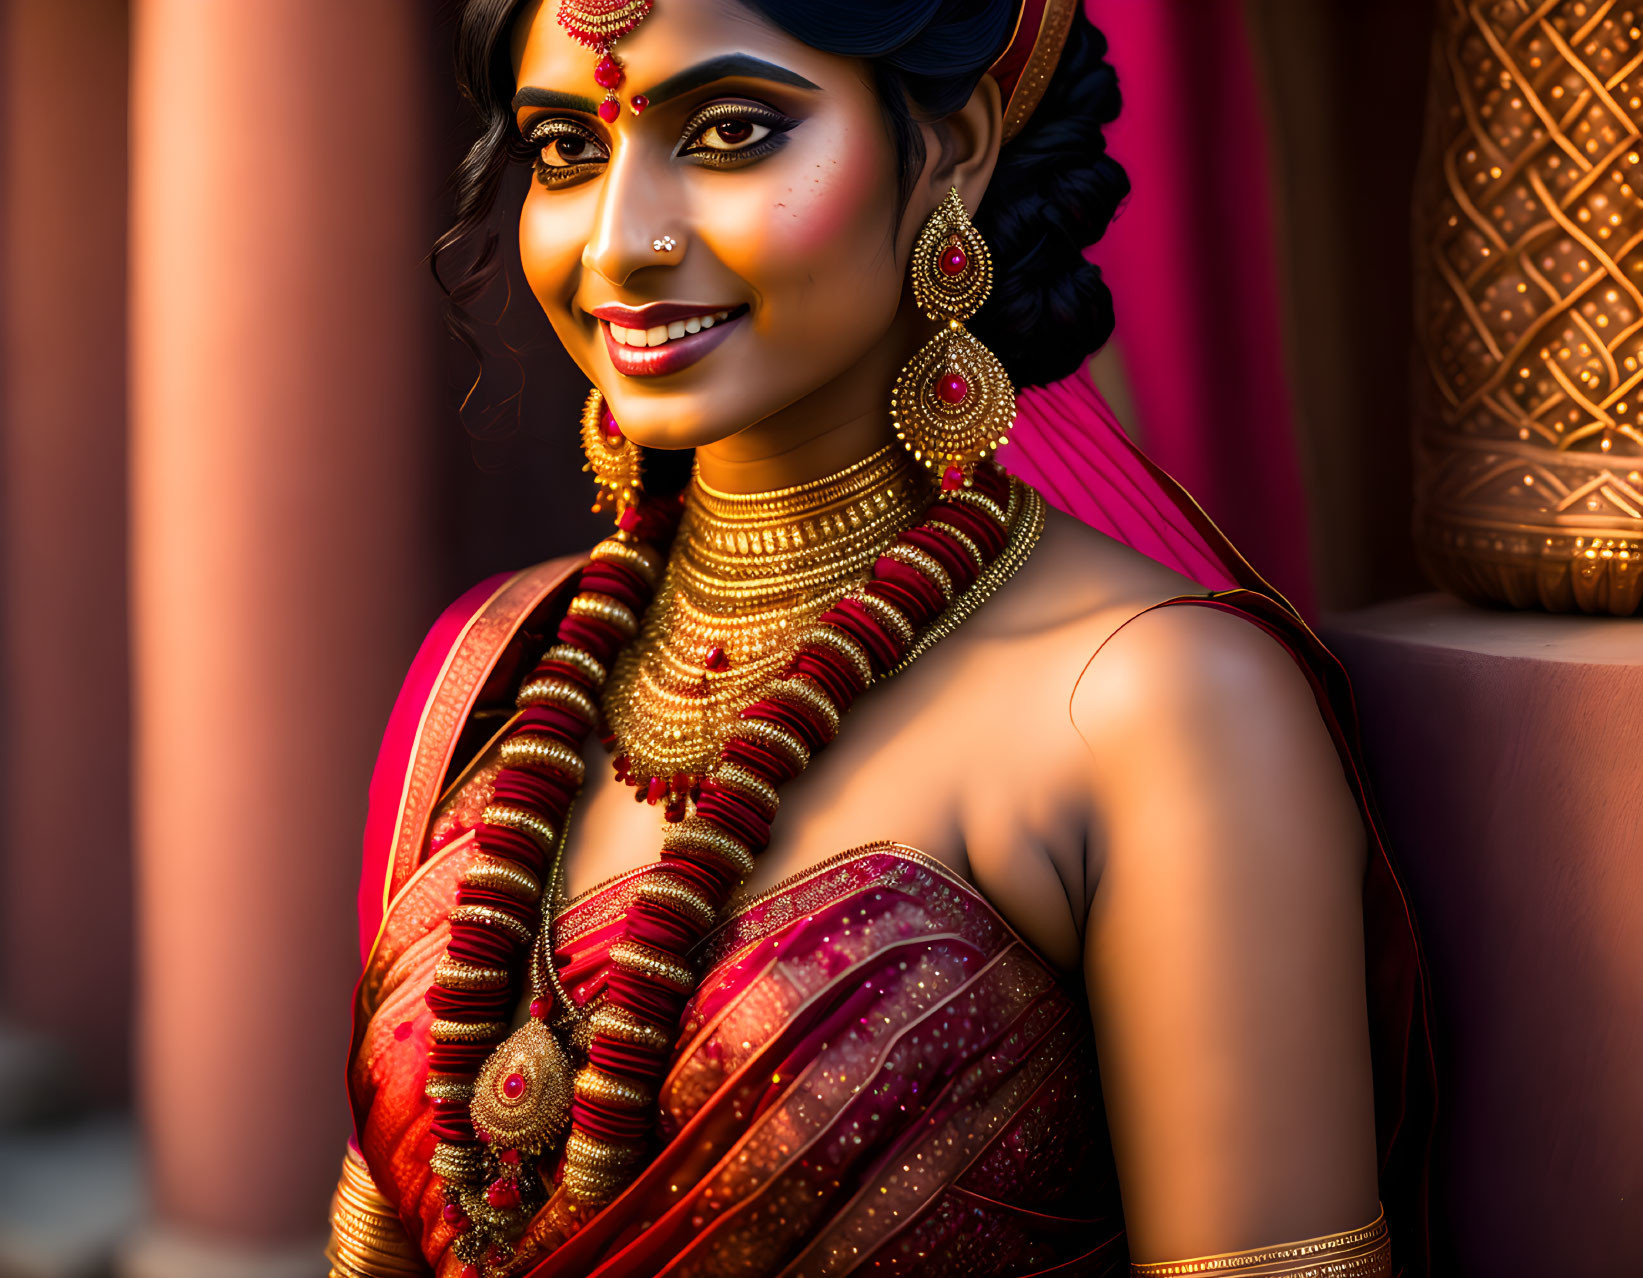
point(1024, 69)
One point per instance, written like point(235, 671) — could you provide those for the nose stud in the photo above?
point(663, 244)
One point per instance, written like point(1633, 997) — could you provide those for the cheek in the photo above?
point(550, 251)
point(815, 243)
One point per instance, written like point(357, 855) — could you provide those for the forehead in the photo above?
point(674, 35)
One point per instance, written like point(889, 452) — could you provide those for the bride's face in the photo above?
point(765, 164)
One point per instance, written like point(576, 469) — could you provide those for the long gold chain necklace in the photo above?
point(749, 573)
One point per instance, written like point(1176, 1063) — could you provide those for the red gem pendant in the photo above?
point(952, 388)
point(715, 659)
point(952, 478)
point(638, 102)
point(608, 109)
point(954, 260)
point(608, 72)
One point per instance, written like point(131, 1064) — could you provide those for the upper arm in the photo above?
point(1224, 945)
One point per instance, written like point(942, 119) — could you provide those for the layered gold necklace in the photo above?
point(748, 574)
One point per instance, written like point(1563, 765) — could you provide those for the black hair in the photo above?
point(1053, 193)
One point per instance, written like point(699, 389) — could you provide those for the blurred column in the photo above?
point(65, 878)
point(280, 321)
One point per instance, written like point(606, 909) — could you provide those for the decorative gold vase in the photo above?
point(1528, 241)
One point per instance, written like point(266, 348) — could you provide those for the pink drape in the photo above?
point(1195, 274)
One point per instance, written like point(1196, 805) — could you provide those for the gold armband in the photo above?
point(367, 1239)
point(1358, 1253)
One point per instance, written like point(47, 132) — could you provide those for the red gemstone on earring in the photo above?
point(608, 109)
point(612, 430)
point(538, 1009)
point(952, 478)
point(628, 520)
point(638, 102)
point(716, 659)
point(502, 1192)
point(655, 790)
point(954, 260)
point(952, 388)
point(608, 72)
point(513, 1086)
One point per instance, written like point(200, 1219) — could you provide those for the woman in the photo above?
point(1061, 821)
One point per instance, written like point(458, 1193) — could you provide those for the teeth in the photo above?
point(661, 333)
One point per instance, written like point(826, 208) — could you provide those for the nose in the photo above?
point(633, 226)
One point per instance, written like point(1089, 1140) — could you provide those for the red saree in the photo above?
point(876, 1075)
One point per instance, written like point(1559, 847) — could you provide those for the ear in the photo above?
point(961, 150)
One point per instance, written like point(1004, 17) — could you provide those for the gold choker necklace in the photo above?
point(747, 575)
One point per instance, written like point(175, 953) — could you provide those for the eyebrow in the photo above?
point(724, 67)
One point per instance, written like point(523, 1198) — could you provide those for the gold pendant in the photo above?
point(522, 1095)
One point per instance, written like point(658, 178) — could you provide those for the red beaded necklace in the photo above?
point(501, 1107)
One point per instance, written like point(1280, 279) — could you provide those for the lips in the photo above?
point(663, 337)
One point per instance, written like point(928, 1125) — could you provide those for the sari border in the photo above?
point(454, 689)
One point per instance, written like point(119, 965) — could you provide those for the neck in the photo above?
point(829, 429)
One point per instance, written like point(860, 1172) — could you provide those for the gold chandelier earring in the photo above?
point(953, 403)
point(613, 458)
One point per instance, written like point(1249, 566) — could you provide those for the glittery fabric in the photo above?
point(875, 1076)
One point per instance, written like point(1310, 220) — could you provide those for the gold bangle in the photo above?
point(503, 876)
point(775, 737)
point(668, 889)
point(1365, 1252)
point(657, 964)
point(490, 916)
point(570, 655)
point(920, 558)
point(618, 1023)
point(551, 690)
point(367, 1238)
point(802, 692)
point(967, 544)
point(598, 607)
point(589, 1184)
point(540, 752)
point(734, 776)
point(453, 974)
point(538, 828)
point(593, 1084)
point(695, 835)
point(887, 615)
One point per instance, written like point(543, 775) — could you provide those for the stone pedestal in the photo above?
point(1507, 755)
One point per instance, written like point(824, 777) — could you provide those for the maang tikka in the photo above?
point(599, 24)
point(953, 402)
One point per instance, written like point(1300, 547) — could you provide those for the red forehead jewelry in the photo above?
point(599, 24)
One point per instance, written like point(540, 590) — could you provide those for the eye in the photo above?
point(565, 148)
point(731, 132)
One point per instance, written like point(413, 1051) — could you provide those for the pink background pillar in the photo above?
point(281, 412)
point(65, 854)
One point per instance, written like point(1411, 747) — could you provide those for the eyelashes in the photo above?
point(719, 135)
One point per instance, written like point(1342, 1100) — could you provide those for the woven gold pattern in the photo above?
point(571, 655)
point(596, 1085)
point(1357, 1253)
point(446, 1031)
point(490, 917)
point(619, 1023)
point(755, 787)
point(748, 575)
point(599, 607)
point(925, 562)
point(642, 559)
point(529, 823)
point(459, 1164)
point(1529, 293)
point(367, 1238)
point(802, 692)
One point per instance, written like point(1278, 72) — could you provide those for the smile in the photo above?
point(670, 341)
